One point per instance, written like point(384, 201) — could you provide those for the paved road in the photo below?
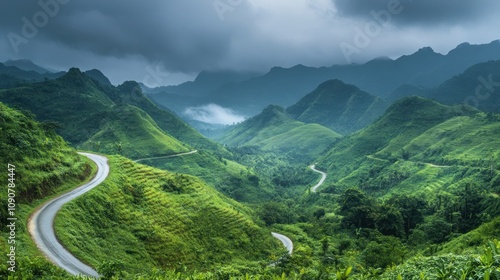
point(323, 178)
point(285, 240)
point(176, 155)
point(41, 223)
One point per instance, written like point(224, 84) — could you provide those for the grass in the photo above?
point(45, 166)
point(145, 218)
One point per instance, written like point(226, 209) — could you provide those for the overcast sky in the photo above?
point(167, 41)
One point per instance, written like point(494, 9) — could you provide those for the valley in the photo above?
point(353, 179)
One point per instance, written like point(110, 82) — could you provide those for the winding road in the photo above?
point(285, 240)
point(321, 181)
point(176, 155)
point(41, 223)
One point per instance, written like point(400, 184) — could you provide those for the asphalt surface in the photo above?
point(285, 240)
point(41, 224)
point(323, 178)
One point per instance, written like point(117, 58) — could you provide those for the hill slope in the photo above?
point(336, 105)
point(275, 130)
point(147, 218)
point(41, 165)
point(86, 113)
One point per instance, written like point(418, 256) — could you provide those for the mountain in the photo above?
point(205, 82)
point(19, 76)
point(285, 86)
point(27, 65)
point(85, 113)
point(404, 91)
point(275, 130)
point(98, 76)
point(478, 86)
point(338, 106)
point(406, 149)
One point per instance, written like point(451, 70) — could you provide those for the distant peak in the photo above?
point(274, 108)
point(463, 45)
point(336, 85)
point(74, 71)
point(426, 50)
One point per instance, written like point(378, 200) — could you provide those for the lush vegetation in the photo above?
point(341, 107)
point(148, 218)
point(274, 130)
point(103, 118)
point(44, 166)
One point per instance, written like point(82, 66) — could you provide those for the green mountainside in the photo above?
point(89, 118)
point(336, 105)
point(148, 218)
point(42, 164)
point(274, 130)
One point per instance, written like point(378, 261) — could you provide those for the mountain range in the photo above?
point(285, 86)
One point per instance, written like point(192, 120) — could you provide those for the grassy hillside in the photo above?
point(43, 165)
point(81, 110)
point(341, 107)
point(274, 130)
point(147, 218)
point(130, 131)
point(131, 93)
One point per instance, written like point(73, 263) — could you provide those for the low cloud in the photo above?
point(213, 114)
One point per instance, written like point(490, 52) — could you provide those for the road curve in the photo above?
point(41, 223)
point(176, 155)
point(323, 178)
point(285, 240)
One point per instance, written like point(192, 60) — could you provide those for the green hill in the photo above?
point(274, 130)
point(41, 164)
point(148, 218)
point(85, 113)
point(336, 105)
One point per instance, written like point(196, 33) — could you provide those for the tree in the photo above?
point(411, 208)
point(390, 221)
point(358, 209)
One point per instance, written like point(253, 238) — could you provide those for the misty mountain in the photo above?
point(338, 106)
point(27, 65)
point(205, 82)
point(479, 87)
point(285, 86)
point(98, 76)
point(13, 73)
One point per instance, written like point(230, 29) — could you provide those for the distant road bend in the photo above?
point(285, 240)
point(176, 155)
point(321, 181)
point(41, 223)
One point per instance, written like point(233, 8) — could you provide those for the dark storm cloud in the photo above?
point(185, 35)
point(422, 12)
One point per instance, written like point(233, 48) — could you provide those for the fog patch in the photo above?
point(214, 114)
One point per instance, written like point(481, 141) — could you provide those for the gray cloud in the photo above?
point(422, 12)
point(125, 38)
